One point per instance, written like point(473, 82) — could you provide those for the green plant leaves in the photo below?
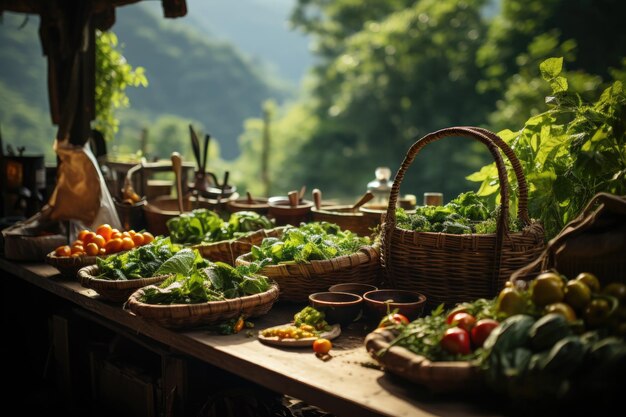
point(551, 68)
point(180, 263)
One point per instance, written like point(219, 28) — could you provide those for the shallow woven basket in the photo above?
point(69, 266)
point(345, 218)
point(450, 268)
point(190, 315)
point(113, 290)
point(228, 251)
point(436, 376)
point(297, 280)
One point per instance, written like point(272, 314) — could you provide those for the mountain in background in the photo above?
point(259, 28)
point(191, 75)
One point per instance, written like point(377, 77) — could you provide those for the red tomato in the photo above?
point(456, 340)
point(463, 320)
point(454, 312)
point(322, 346)
point(392, 320)
point(481, 330)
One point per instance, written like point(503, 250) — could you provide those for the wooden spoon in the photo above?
point(177, 164)
point(301, 193)
point(366, 197)
point(317, 198)
point(250, 199)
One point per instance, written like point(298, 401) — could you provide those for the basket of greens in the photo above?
point(314, 256)
point(219, 240)
point(207, 294)
point(464, 250)
point(116, 277)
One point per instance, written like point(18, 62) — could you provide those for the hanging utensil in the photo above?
point(177, 164)
point(317, 198)
point(128, 192)
point(207, 141)
point(366, 197)
point(195, 146)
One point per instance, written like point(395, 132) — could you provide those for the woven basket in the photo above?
point(346, 218)
point(114, 290)
point(436, 376)
point(189, 315)
point(450, 268)
point(69, 266)
point(297, 280)
point(228, 251)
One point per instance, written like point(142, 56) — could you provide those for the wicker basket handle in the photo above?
point(477, 134)
point(522, 203)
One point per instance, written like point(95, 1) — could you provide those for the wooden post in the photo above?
point(265, 150)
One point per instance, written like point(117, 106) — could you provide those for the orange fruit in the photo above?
point(147, 237)
point(82, 233)
point(77, 250)
point(99, 240)
point(77, 242)
point(102, 251)
point(138, 239)
point(132, 233)
point(88, 238)
point(113, 245)
point(116, 234)
point(92, 249)
point(64, 250)
point(127, 243)
point(104, 230)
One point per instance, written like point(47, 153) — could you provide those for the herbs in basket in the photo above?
point(203, 225)
point(207, 281)
point(311, 241)
point(468, 213)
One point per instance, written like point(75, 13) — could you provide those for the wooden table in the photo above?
point(341, 385)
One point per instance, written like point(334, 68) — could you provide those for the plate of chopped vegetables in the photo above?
point(290, 335)
point(307, 326)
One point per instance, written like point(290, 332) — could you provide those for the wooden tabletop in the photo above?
point(345, 385)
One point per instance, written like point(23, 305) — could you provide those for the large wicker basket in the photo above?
point(450, 268)
point(436, 376)
point(190, 315)
point(113, 290)
point(228, 251)
point(297, 280)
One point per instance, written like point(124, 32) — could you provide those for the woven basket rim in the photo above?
point(328, 210)
point(133, 302)
point(54, 260)
point(461, 375)
point(534, 225)
point(363, 253)
point(87, 279)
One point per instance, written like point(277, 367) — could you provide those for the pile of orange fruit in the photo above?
point(105, 240)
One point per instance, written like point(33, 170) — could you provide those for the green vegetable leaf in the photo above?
point(180, 263)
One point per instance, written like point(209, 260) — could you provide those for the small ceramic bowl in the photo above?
point(379, 302)
point(339, 307)
point(353, 288)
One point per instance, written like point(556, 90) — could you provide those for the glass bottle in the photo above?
point(380, 187)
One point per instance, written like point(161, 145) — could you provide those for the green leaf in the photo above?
point(551, 68)
point(180, 263)
point(559, 85)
